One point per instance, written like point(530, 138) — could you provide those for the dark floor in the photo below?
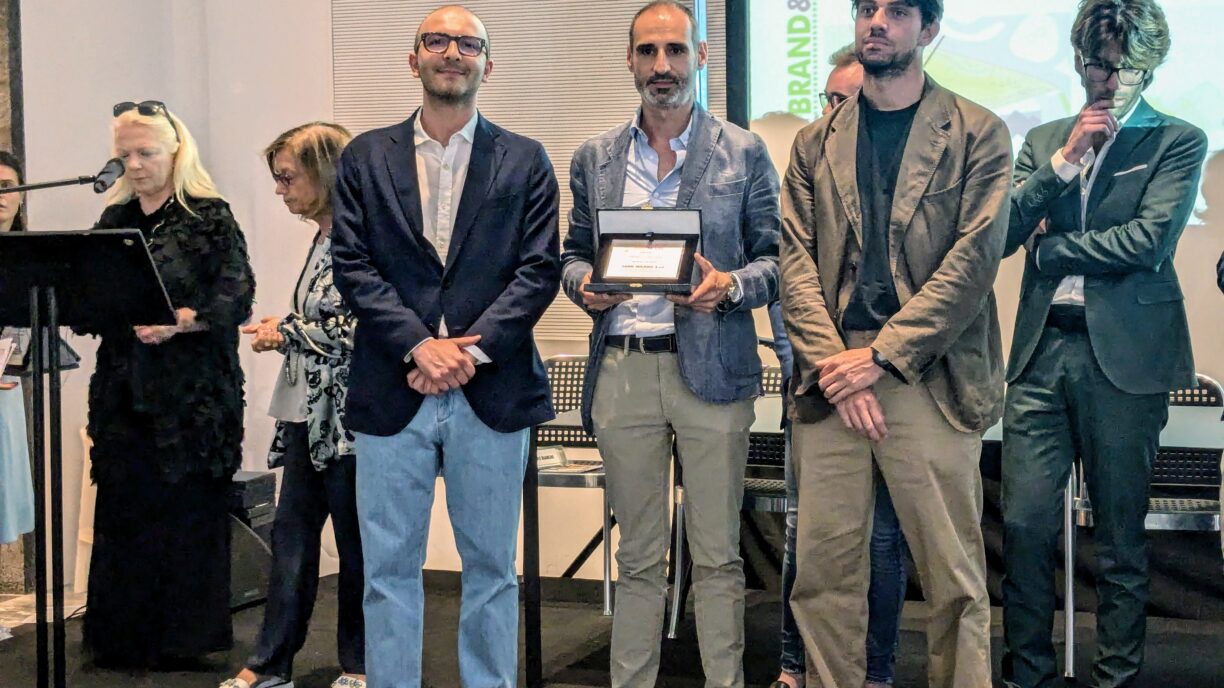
point(1180, 654)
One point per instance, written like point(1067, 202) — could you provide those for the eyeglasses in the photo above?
point(148, 108)
point(469, 46)
point(283, 178)
point(1099, 73)
point(832, 99)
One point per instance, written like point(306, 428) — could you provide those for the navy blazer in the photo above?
point(501, 272)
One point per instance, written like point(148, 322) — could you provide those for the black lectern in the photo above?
point(90, 280)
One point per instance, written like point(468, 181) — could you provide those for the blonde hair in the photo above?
point(189, 177)
point(316, 147)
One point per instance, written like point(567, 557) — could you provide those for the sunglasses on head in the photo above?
point(148, 108)
point(469, 46)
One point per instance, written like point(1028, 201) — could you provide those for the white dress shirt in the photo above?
point(1070, 290)
point(441, 173)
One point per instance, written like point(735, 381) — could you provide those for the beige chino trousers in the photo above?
point(641, 404)
point(931, 470)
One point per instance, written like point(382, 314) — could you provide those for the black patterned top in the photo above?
point(319, 346)
point(182, 397)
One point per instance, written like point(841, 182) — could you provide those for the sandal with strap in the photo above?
point(263, 682)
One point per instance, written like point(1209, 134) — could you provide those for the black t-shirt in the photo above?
point(881, 146)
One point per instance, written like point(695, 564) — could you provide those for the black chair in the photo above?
point(565, 375)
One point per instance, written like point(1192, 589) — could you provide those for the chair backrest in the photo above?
point(1208, 393)
point(565, 373)
point(766, 449)
point(1187, 468)
point(1191, 468)
point(771, 380)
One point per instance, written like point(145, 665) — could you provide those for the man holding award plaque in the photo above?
point(673, 361)
point(895, 212)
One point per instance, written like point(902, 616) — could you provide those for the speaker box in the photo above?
point(252, 512)
point(250, 565)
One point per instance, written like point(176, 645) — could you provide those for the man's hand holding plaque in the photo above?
point(713, 288)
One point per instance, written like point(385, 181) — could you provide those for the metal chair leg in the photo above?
point(1069, 576)
point(678, 570)
point(607, 555)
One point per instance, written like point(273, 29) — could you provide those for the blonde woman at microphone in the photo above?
point(165, 411)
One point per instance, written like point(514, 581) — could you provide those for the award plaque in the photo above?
point(646, 251)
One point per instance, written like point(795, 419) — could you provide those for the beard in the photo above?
point(889, 67)
point(677, 97)
point(450, 92)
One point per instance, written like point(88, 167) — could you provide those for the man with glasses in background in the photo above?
point(445, 246)
point(1101, 336)
point(844, 81)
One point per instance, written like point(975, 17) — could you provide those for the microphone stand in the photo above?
point(44, 362)
point(71, 181)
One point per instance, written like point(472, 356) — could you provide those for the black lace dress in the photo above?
point(166, 425)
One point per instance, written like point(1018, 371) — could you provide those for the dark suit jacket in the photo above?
point(501, 273)
point(1139, 205)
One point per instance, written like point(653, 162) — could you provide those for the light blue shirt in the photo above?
point(649, 315)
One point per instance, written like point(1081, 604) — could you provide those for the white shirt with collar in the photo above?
point(441, 173)
point(1070, 290)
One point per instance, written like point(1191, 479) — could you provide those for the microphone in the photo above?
point(111, 172)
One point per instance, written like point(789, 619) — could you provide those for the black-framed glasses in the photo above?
point(469, 46)
point(1099, 73)
point(148, 108)
point(832, 99)
point(283, 178)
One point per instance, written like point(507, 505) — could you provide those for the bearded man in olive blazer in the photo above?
point(894, 216)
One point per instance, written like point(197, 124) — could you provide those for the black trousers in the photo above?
point(1063, 406)
point(307, 497)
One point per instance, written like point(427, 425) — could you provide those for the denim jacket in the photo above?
point(728, 175)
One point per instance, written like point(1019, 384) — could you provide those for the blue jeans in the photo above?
point(483, 474)
point(793, 661)
point(885, 597)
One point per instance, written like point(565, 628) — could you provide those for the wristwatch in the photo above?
point(734, 294)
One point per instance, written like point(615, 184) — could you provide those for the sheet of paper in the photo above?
point(635, 260)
